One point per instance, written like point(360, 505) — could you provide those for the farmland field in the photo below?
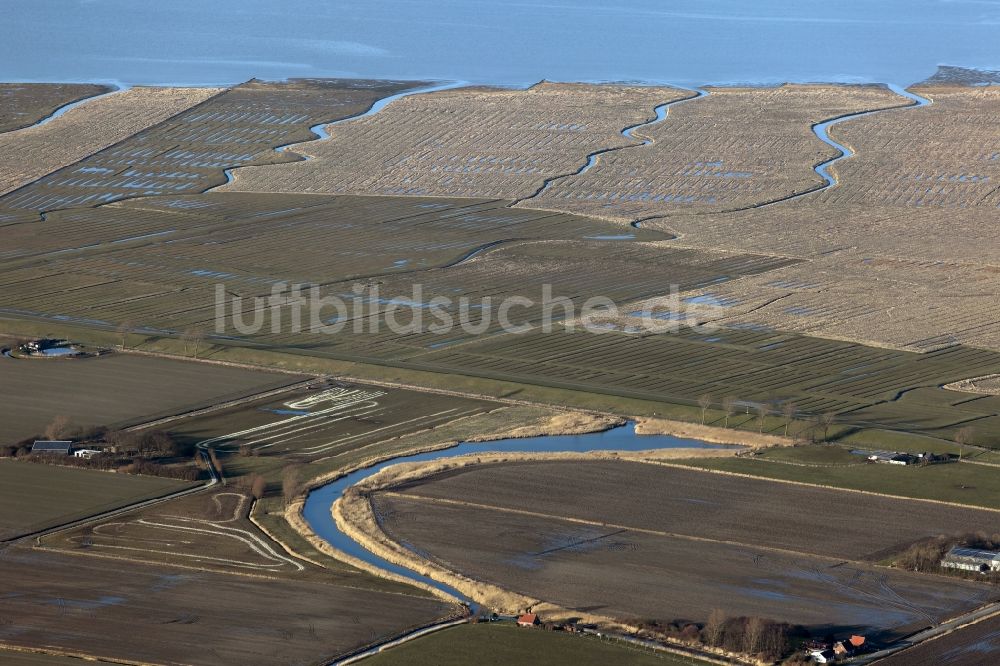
point(17, 658)
point(115, 390)
point(37, 496)
point(653, 541)
point(501, 644)
point(162, 614)
point(975, 645)
point(326, 421)
point(712, 506)
point(154, 262)
point(972, 485)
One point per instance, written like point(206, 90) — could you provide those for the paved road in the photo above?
point(951, 625)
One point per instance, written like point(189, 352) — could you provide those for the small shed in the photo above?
point(528, 620)
point(971, 559)
point(54, 446)
point(86, 453)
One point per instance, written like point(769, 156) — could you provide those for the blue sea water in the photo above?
point(688, 42)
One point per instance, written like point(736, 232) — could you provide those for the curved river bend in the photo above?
point(822, 131)
point(318, 507)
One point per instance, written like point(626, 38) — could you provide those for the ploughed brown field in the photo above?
point(159, 614)
point(976, 645)
point(637, 540)
point(325, 421)
point(115, 390)
point(715, 506)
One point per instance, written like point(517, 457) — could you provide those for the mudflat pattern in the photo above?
point(29, 154)
point(23, 104)
point(735, 148)
point(466, 143)
point(191, 151)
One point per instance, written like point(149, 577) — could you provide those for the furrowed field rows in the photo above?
point(189, 152)
point(163, 280)
point(115, 390)
point(322, 239)
point(472, 142)
point(782, 368)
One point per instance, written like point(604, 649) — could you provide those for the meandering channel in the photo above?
point(661, 112)
point(317, 511)
point(822, 132)
point(321, 132)
point(62, 110)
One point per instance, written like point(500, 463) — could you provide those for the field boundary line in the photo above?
point(393, 642)
point(990, 610)
point(627, 528)
point(288, 549)
point(83, 656)
point(956, 505)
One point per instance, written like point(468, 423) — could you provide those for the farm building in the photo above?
point(849, 647)
point(86, 453)
point(58, 447)
point(892, 458)
point(528, 620)
point(971, 559)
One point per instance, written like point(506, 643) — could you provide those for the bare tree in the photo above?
point(753, 636)
point(704, 401)
point(827, 419)
point(192, 339)
point(58, 427)
point(963, 436)
point(788, 410)
point(728, 407)
point(715, 627)
point(291, 482)
point(123, 331)
point(762, 409)
point(258, 486)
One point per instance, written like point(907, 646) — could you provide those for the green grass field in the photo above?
point(502, 644)
point(962, 483)
point(36, 496)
